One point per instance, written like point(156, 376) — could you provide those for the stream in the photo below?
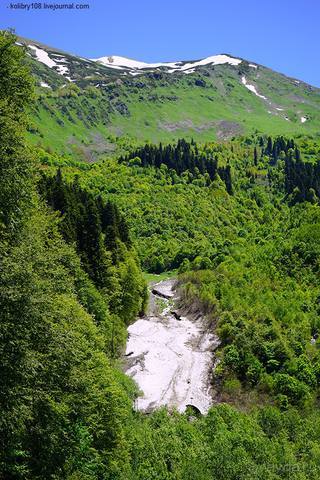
point(170, 357)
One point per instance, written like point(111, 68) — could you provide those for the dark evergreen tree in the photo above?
point(183, 156)
point(255, 156)
point(93, 226)
point(269, 147)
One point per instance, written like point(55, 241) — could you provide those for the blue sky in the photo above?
point(281, 34)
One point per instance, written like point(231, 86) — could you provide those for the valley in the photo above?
point(160, 260)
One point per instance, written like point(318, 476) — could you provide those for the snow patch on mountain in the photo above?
point(44, 85)
point(135, 66)
point(214, 60)
point(252, 88)
point(43, 57)
point(114, 61)
point(191, 70)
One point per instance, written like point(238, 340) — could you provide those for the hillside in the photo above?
point(85, 105)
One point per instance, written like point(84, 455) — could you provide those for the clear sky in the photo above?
point(281, 34)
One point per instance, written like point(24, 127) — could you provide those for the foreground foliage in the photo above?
point(62, 400)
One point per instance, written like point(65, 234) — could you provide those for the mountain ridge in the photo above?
point(150, 65)
point(186, 66)
point(217, 97)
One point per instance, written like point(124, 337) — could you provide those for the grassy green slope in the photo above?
point(204, 112)
point(211, 103)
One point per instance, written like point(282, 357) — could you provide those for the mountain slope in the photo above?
point(87, 102)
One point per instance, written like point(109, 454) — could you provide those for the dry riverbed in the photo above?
point(171, 357)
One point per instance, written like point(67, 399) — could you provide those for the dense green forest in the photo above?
point(239, 219)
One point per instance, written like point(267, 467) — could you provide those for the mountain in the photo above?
point(86, 103)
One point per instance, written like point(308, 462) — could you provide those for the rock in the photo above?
point(122, 108)
point(175, 314)
point(140, 85)
point(164, 289)
point(199, 82)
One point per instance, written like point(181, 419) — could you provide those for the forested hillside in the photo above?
point(240, 222)
point(64, 307)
